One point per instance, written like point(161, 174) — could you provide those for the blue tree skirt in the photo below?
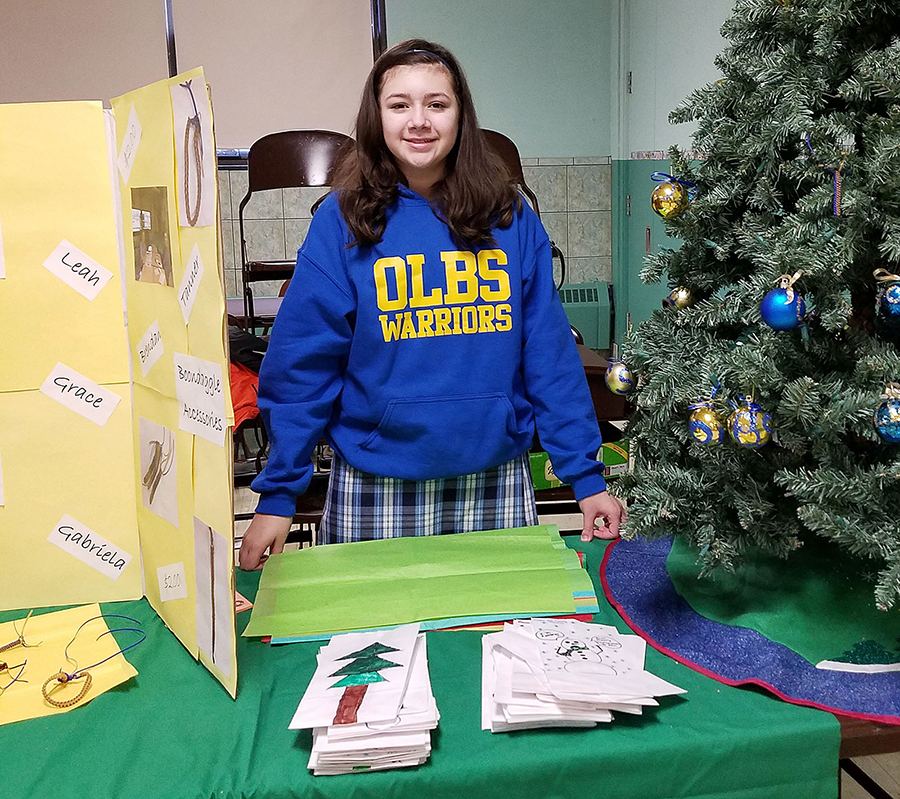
point(637, 584)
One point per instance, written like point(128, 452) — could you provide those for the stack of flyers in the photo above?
point(369, 703)
point(545, 672)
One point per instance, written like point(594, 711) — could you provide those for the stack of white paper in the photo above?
point(369, 703)
point(563, 673)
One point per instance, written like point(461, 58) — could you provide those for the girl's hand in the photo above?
point(265, 532)
point(603, 514)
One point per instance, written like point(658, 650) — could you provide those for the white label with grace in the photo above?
point(80, 394)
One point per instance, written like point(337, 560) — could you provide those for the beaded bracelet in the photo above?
point(64, 678)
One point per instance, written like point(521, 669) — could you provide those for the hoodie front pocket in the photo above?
point(444, 436)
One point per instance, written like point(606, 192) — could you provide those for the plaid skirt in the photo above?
point(362, 507)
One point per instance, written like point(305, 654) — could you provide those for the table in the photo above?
point(173, 732)
point(262, 306)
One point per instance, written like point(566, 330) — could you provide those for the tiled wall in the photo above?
point(574, 196)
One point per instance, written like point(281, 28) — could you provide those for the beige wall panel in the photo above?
point(89, 50)
point(276, 64)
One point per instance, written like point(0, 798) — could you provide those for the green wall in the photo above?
point(634, 300)
point(540, 72)
point(669, 50)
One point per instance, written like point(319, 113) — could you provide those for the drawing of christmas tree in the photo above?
point(357, 676)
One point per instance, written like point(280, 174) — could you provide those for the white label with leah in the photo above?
point(80, 394)
point(190, 283)
point(83, 543)
point(201, 399)
point(77, 269)
point(172, 582)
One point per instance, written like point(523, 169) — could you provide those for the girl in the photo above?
point(422, 336)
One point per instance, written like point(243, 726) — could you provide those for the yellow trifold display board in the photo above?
point(68, 520)
point(115, 410)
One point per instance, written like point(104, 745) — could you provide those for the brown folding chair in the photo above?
point(506, 149)
point(289, 159)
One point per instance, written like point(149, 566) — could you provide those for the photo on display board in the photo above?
point(213, 594)
point(194, 154)
point(159, 483)
point(150, 232)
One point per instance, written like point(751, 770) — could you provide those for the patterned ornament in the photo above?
point(783, 308)
point(672, 196)
point(619, 379)
point(706, 426)
point(679, 297)
point(887, 414)
point(749, 425)
point(887, 302)
point(847, 146)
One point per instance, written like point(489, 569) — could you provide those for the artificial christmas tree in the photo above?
point(799, 191)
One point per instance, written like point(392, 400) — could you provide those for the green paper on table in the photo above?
point(343, 587)
point(778, 598)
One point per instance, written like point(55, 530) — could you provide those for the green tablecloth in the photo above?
point(173, 733)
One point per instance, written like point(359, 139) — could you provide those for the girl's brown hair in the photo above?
point(476, 193)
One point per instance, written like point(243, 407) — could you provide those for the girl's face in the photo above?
point(420, 121)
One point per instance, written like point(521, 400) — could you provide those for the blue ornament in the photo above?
point(887, 304)
point(783, 308)
point(750, 426)
point(887, 415)
point(619, 379)
point(889, 300)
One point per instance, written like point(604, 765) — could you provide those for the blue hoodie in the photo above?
point(417, 359)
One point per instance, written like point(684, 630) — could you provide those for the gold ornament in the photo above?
point(679, 297)
point(670, 199)
point(619, 379)
point(706, 426)
point(750, 426)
